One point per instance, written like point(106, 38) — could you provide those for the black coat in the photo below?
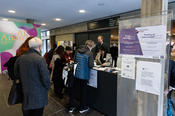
point(32, 70)
point(58, 69)
point(98, 46)
point(114, 52)
point(10, 67)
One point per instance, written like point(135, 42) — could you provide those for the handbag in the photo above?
point(16, 94)
point(68, 75)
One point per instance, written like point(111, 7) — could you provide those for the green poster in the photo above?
point(12, 35)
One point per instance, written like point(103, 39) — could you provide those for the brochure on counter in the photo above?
point(106, 69)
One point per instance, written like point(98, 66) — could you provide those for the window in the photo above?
point(46, 41)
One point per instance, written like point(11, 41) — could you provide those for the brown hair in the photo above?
point(24, 47)
point(59, 50)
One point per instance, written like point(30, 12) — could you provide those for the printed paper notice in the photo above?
point(128, 68)
point(148, 77)
point(93, 78)
point(143, 41)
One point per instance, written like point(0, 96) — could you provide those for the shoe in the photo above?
point(71, 109)
point(84, 110)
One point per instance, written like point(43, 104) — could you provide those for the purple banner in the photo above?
point(129, 42)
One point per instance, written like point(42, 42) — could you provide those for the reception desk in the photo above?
point(104, 97)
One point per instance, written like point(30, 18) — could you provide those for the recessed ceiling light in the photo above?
point(58, 19)
point(5, 19)
point(43, 24)
point(82, 11)
point(12, 11)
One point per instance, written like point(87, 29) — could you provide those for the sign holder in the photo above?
point(144, 103)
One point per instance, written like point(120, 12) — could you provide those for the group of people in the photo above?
point(59, 59)
point(35, 72)
point(105, 57)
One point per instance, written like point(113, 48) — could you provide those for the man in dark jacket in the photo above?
point(32, 70)
point(100, 44)
point(85, 61)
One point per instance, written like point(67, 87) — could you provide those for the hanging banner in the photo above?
point(148, 77)
point(12, 36)
point(128, 67)
point(143, 41)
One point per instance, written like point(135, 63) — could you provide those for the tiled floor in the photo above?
point(56, 107)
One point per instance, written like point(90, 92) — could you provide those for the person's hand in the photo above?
point(71, 61)
point(173, 53)
point(103, 64)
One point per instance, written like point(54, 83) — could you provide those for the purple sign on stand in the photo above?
point(129, 42)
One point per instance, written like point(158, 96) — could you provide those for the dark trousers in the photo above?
point(114, 61)
point(58, 86)
point(83, 93)
point(33, 112)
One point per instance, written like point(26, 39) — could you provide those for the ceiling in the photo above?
point(45, 11)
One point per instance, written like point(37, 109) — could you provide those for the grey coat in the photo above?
point(32, 70)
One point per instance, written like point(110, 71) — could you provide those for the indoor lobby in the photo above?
point(87, 58)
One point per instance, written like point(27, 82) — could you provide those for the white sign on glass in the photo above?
point(143, 41)
point(148, 77)
point(128, 67)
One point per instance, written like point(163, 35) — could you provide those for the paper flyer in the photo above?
point(148, 77)
point(143, 41)
point(93, 78)
point(128, 67)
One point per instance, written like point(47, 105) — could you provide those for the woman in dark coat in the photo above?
point(57, 72)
